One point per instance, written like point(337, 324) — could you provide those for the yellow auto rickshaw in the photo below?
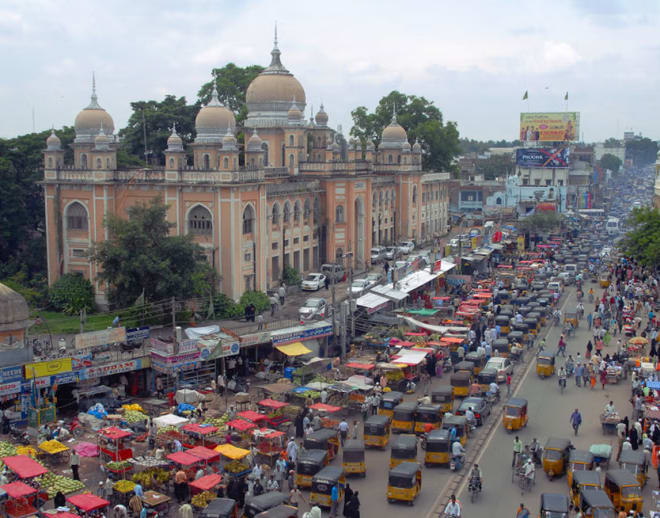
point(635, 462)
point(403, 449)
point(604, 282)
point(502, 346)
point(444, 396)
point(485, 378)
point(427, 415)
point(322, 484)
point(438, 448)
point(578, 460)
point(571, 317)
point(504, 324)
point(353, 458)
point(461, 381)
point(555, 456)
point(477, 359)
point(404, 483)
point(323, 439)
point(464, 365)
point(458, 423)
point(310, 462)
point(403, 417)
point(522, 328)
point(388, 401)
point(595, 503)
point(533, 324)
point(581, 481)
point(377, 431)
point(623, 489)
point(545, 364)
point(554, 505)
point(515, 414)
point(281, 511)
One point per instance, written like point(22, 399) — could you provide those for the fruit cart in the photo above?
point(252, 416)
point(242, 428)
point(609, 422)
point(200, 435)
point(54, 451)
point(235, 455)
point(270, 444)
point(187, 462)
point(24, 467)
point(322, 408)
point(154, 477)
point(88, 504)
point(205, 484)
point(50, 484)
point(157, 502)
point(274, 411)
point(122, 491)
point(118, 469)
point(22, 500)
point(111, 442)
point(209, 457)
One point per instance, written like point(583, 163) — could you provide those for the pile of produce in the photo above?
point(312, 394)
point(124, 486)
point(134, 416)
point(26, 450)
point(218, 422)
point(236, 466)
point(203, 498)
point(145, 478)
point(134, 408)
point(53, 483)
point(167, 430)
point(53, 447)
point(7, 449)
point(150, 462)
point(118, 466)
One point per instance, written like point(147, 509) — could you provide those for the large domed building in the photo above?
point(290, 192)
point(14, 317)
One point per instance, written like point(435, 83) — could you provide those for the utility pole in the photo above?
point(334, 306)
point(173, 302)
point(349, 255)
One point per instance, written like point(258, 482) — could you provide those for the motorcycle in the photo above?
point(474, 487)
point(19, 435)
point(238, 385)
point(456, 463)
point(562, 384)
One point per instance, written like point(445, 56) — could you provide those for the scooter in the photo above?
point(456, 463)
point(474, 487)
point(19, 436)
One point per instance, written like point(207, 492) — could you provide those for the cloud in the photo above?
point(558, 55)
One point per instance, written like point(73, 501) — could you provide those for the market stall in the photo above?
point(274, 411)
point(242, 428)
point(54, 451)
point(22, 500)
point(112, 444)
point(200, 435)
point(235, 467)
point(324, 410)
point(205, 489)
point(157, 502)
point(24, 467)
point(269, 444)
point(208, 456)
point(187, 462)
point(88, 504)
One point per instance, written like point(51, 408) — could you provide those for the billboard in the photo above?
point(549, 127)
point(542, 157)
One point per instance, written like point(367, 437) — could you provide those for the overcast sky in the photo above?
point(473, 59)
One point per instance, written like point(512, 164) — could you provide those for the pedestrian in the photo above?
point(603, 377)
point(356, 430)
point(517, 450)
point(260, 322)
point(343, 431)
point(75, 464)
point(354, 506)
point(590, 319)
point(576, 420)
point(522, 512)
point(508, 384)
point(585, 376)
point(326, 282)
point(579, 370)
point(334, 501)
point(273, 305)
point(282, 293)
point(348, 494)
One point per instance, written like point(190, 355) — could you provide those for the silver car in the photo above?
point(359, 287)
point(313, 308)
point(313, 282)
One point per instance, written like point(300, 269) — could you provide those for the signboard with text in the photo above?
point(301, 333)
point(549, 126)
point(137, 334)
point(542, 157)
point(40, 369)
point(103, 337)
point(113, 368)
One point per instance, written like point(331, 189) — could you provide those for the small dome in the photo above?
point(53, 142)
point(322, 117)
point(229, 140)
point(213, 119)
point(417, 147)
point(254, 144)
point(394, 136)
point(14, 311)
point(91, 119)
point(294, 113)
point(174, 141)
point(406, 147)
point(102, 141)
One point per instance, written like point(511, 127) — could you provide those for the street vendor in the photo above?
point(609, 409)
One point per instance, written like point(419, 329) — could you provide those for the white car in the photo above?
point(374, 278)
point(406, 246)
point(313, 282)
point(503, 366)
point(359, 286)
point(401, 264)
point(313, 308)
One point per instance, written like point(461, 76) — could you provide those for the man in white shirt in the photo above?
point(469, 415)
point(324, 396)
point(457, 450)
point(453, 508)
point(609, 409)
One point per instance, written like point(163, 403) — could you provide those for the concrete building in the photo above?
point(299, 199)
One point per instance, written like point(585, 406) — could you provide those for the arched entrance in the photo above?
point(359, 232)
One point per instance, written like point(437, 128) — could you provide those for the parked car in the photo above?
point(374, 278)
point(503, 366)
point(555, 286)
point(377, 254)
point(313, 308)
point(479, 406)
point(359, 287)
point(406, 246)
point(313, 282)
point(334, 271)
point(392, 252)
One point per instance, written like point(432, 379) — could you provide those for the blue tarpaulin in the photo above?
point(655, 385)
point(184, 407)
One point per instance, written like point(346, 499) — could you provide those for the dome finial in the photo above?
point(94, 104)
point(394, 113)
point(174, 128)
point(215, 101)
point(275, 41)
point(275, 63)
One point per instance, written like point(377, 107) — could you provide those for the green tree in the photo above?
point(611, 162)
point(642, 151)
point(642, 243)
point(158, 118)
point(421, 120)
point(140, 254)
point(232, 82)
point(612, 142)
point(496, 166)
point(71, 293)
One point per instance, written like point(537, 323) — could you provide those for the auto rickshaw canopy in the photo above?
point(393, 398)
point(445, 391)
point(329, 475)
point(581, 456)
point(516, 402)
point(320, 438)
point(545, 358)
point(313, 457)
point(437, 436)
point(405, 409)
point(404, 446)
point(595, 499)
point(279, 511)
point(454, 420)
point(266, 501)
point(376, 424)
point(354, 446)
point(586, 478)
point(404, 472)
point(554, 503)
point(636, 457)
point(461, 376)
point(554, 443)
point(464, 366)
point(429, 412)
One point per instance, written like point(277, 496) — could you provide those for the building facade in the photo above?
point(299, 199)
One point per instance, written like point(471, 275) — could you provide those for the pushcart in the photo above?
point(111, 442)
point(200, 435)
point(206, 483)
point(22, 500)
point(208, 457)
point(54, 451)
point(270, 444)
point(235, 467)
point(88, 504)
point(609, 422)
point(157, 501)
point(602, 454)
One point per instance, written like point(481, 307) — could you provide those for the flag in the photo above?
point(525, 96)
point(566, 97)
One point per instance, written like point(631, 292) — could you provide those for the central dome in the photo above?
point(92, 119)
point(269, 95)
point(394, 135)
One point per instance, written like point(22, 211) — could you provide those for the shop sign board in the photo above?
point(188, 346)
point(224, 349)
point(168, 368)
point(255, 338)
point(14, 373)
point(81, 360)
point(161, 346)
point(103, 337)
point(113, 368)
point(49, 368)
point(13, 387)
point(174, 359)
point(137, 334)
point(59, 379)
point(301, 333)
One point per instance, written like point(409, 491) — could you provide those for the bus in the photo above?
point(612, 226)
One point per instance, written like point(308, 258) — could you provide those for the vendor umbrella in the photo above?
point(18, 489)
point(638, 340)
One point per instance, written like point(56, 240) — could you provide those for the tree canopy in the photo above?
point(496, 166)
point(479, 146)
point(421, 120)
point(642, 151)
point(642, 243)
point(611, 162)
point(612, 142)
point(140, 254)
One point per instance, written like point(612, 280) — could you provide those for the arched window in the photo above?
point(276, 214)
point(248, 220)
point(498, 201)
point(200, 221)
point(380, 198)
point(387, 199)
point(98, 163)
point(83, 161)
point(264, 146)
point(50, 162)
point(414, 194)
point(225, 163)
point(375, 201)
point(390, 159)
point(291, 160)
point(107, 163)
point(207, 162)
point(291, 140)
point(76, 217)
point(171, 163)
point(287, 212)
point(318, 141)
point(339, 214)
point(307, 209)
point(296, 211)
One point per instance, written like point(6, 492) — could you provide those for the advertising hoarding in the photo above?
point(549, 126)
point(49, 368)
point(104, 337)
point(542, 157)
